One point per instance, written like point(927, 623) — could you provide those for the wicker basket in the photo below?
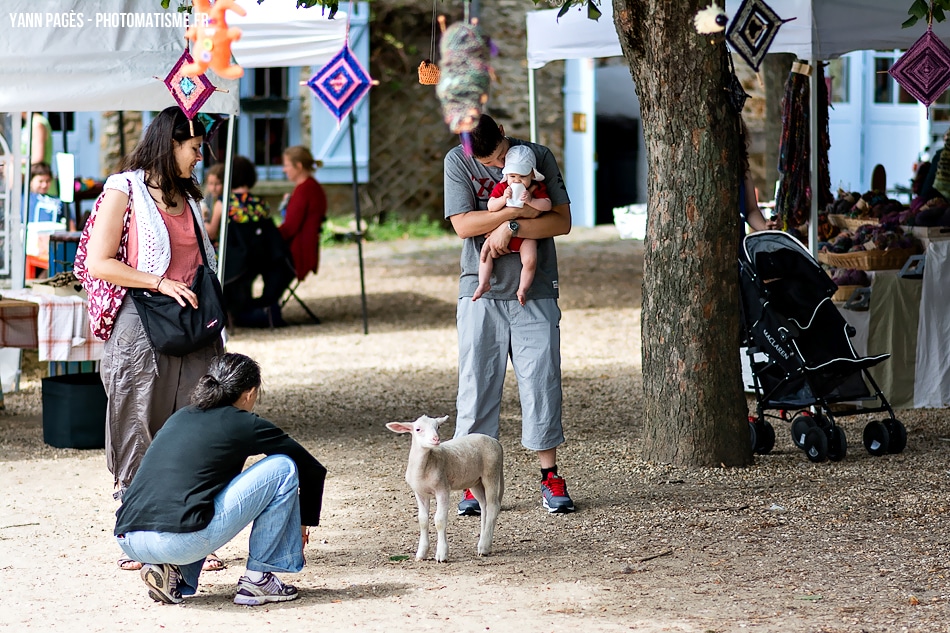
point(429, 73)
point(844, 293)
point(892, 259)
point(849, 223)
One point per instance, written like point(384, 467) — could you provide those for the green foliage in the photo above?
point(340, 229)
point(921, 10)
point(593, 13)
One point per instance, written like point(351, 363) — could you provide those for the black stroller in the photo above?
point(799, 348)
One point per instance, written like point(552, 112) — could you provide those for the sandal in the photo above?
point(127, 564)
point(213, 563)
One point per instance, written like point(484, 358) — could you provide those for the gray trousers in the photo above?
point(143, 389)
point(490, 331)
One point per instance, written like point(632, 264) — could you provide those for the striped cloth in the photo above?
point(59, 327)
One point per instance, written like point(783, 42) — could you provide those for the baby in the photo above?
point(521, 187)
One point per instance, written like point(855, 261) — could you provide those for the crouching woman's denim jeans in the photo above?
point(265, 494)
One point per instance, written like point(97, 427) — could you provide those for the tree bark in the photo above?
point(696, 414)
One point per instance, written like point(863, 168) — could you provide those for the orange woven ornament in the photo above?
point(429, 73)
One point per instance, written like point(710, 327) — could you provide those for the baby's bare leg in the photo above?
point(484, 277)
point(529, 264)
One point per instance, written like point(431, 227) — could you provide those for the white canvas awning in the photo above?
point(71, 55)
point(822, 29)
point(277, 33)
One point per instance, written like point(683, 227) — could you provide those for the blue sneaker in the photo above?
point(468, 506)
point(554, 495)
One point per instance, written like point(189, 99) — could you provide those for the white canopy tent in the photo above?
point(821, 30)
point(62, 55)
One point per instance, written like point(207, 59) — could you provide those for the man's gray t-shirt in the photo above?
point(468, 186)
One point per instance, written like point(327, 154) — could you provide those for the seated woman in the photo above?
point(306, 210)
point(190, 496)
point(254, 249)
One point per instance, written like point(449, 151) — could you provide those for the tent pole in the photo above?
point(359, 222)
point(813, 157)
point(532, 106)
point(21, 204)
point(225, 197)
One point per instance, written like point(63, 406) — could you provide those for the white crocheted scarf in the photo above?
point(155, 251)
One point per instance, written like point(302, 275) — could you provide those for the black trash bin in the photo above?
point(74, 411)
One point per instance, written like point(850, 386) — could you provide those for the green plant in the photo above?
point(920, 10)
point(341, 229)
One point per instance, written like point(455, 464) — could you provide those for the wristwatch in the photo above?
point(513, 226)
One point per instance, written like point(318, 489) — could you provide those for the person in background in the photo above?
point(36, 144)
point(192, 494)
point(145, 231)
point(496, 326)
point(255, 249)
point(749, 211)
point(306, 210)
point(214, 190)
point(42, 206)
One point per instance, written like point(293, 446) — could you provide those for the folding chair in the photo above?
point(292, 293)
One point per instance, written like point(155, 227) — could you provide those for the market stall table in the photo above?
point(56, 326)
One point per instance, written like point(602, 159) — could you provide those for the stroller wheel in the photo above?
point(837, 443)
point(898, 436)
point(801, 424)
point(877, 440)
point(763, 437)
point(816, 445)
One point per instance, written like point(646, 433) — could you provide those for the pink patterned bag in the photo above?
point(104, 298)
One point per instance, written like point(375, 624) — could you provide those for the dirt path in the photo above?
point(785, 546)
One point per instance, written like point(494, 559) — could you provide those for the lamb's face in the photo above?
point(425, 431)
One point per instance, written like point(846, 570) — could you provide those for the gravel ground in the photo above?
point(783, 546)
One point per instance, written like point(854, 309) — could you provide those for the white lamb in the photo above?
point(437, 468)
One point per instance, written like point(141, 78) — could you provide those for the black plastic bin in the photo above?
point(74, 411)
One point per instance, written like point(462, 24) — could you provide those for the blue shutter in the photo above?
point(330, 141)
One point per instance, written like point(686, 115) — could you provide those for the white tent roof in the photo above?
point(277, 33)
point(823, 29)
point(107, 54)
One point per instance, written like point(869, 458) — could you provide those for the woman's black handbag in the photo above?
point(175, 330)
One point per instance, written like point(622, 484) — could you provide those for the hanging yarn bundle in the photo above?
point(793, 201)
point(466, 75)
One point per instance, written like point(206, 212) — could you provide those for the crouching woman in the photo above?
point(191, 494)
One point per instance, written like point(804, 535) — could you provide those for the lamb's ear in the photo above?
point(442, 420)
point(399, 427)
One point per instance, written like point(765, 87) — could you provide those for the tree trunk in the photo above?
point(696, 414)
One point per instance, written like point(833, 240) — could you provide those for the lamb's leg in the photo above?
point(488, 518)
point(423, 503)
point(441, 521)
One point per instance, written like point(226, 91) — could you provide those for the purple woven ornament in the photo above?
point(924, 70)
point(190, 92)
point(341, 83)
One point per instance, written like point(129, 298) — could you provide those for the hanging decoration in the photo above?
point(466, 75)
point(711, 20)
point(734, 91)
point(429, 73)
point(752, 30)
point(793, 200)
point(212, 38)
point(924, 70)
point(189, 92)
point(342, 82)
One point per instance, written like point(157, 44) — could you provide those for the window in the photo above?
point(270, 118)
point(838, 72)
point(886, 90)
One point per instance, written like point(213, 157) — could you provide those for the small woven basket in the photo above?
point(849, 223)
point(429, 73)
point(892, 259)
point(844, 293)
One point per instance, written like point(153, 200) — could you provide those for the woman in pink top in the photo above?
point(142, 235)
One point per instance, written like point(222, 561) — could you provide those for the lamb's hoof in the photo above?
point(482, 552)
